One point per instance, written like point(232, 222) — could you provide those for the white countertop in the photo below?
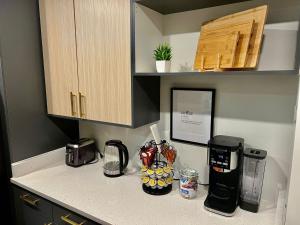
point(121, 201)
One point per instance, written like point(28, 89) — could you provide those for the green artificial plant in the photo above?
point(163, 52)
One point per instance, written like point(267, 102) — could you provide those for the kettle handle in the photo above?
point(126, 156)
point(122, 152)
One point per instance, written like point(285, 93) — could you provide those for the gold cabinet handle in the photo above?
point(73, 104)
point(48, 223)
point(28, 199)
point(82, 103)
point(67, 220)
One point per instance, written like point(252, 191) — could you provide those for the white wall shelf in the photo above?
point(223, 73)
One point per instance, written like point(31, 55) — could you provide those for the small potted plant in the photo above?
point(163, 55)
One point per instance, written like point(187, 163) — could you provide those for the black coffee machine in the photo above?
point(225, 165)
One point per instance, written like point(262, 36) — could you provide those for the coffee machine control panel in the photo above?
point(219, 158)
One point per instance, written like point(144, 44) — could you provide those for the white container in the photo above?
point(163, 66)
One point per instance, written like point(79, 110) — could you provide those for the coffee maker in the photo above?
point(225, 164)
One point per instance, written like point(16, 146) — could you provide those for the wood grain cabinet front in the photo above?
point(104, 65)
point(60, 59)
point(88, 54)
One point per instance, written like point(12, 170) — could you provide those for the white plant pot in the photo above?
point(163, 66)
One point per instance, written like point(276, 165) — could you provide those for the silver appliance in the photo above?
point(115, 158)
point(81, 152)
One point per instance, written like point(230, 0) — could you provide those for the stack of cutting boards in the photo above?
point(231, 42)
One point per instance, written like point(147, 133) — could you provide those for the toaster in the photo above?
point(81, 152)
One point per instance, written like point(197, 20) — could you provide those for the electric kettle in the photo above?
point(115, 158)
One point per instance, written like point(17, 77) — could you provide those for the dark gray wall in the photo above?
point(30, 130)
point(146, 104)
point(6, 207)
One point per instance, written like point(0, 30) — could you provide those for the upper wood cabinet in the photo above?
point(104, 65)
point(60, 63)
point(88, 58)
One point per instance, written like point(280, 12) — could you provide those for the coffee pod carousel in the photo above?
point(157, 169)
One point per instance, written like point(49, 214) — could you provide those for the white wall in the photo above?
point(257, 108)
point(292, 217)
point(149, 29)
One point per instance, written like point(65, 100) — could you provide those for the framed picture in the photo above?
point(192, 115)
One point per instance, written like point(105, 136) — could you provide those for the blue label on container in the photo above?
point(184, 191)
point(184, 180)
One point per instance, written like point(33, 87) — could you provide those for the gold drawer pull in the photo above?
point(48, 224)
point(69, 221)
point(28, 199)
point(73, 104)
point(82, 103)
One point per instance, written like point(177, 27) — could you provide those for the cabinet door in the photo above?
point(104, 59)
point(65, 217)
point(60, 61)
point(31, 209)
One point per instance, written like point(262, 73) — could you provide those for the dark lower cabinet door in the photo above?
point(64, 217)
point(31, 209)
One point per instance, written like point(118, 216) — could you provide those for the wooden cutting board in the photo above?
point(245, 31)
point(257, 14)
point(216, 52)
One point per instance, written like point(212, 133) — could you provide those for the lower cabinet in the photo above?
point(62, 217)
point(31, 209)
